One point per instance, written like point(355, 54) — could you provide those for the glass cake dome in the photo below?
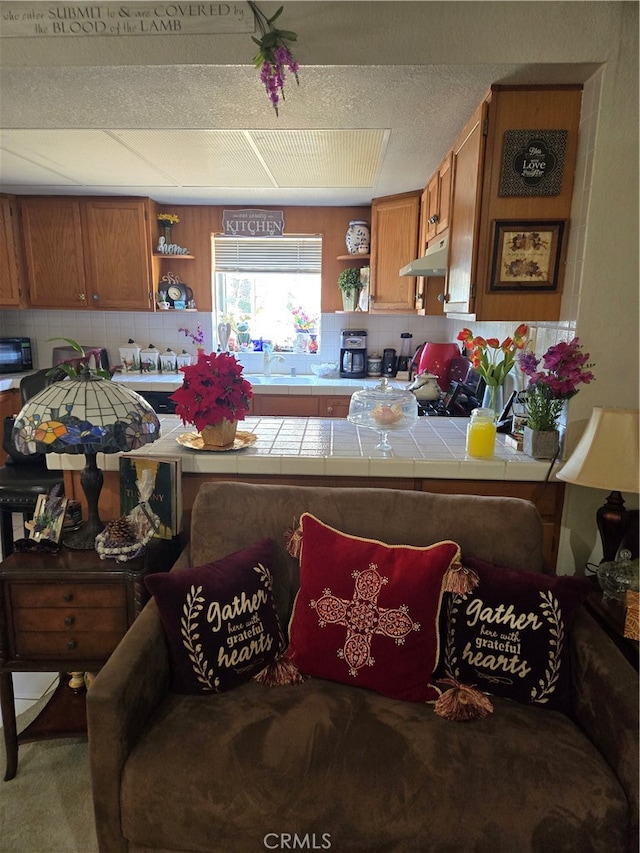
point(383, 409)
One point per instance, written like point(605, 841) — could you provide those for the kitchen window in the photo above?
point(268, 288)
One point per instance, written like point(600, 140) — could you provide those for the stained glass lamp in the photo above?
point(90, 415)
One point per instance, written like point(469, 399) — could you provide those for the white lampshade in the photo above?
point(606, 457)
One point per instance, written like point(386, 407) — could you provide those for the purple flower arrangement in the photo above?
point(565, 367)
point(273, 58)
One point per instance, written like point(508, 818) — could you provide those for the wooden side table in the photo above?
point(610, 615)
point(65, 612)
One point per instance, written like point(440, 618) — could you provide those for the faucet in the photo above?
point(268, 357)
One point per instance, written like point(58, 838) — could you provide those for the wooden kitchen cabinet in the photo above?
point(394, 243)
point(87, 253)
point(301, 405)
point(435, 204)
point(466, 163)
point(477, 203)
point(10, 291)
point(118, 254)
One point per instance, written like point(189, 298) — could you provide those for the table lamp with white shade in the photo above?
point(90, 415)
point(606, 457)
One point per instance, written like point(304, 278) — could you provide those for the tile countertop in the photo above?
point(278, 383)
point(434, 448)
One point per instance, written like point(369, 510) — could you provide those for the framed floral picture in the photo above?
point(526, 255)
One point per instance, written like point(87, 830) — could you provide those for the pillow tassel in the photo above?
point(462, 703)
point(293, 540)
point(460, 580)
point(279, 672)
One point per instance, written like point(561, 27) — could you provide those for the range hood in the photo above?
point(433, 262)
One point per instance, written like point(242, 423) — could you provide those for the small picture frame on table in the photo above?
point(48, 518)
point(526, 256)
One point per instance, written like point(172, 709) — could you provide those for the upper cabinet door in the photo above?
point(394, 243)
point(9, 273)
point(53, 252)
point(118, 250)
point(466, 165)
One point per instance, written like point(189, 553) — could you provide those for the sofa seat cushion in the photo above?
point(376, 774)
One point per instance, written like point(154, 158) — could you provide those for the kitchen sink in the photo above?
point(258, 379)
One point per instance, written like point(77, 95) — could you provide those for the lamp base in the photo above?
point(84, 538)
point(613, 520)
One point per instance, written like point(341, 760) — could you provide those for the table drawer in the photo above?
point(81, 619)
point(77, 646)
point(27, 595)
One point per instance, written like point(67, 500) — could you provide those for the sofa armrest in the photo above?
point(124, 694)
point(605, 705)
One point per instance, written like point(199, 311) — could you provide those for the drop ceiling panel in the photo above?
point(196, 158)
point(17, 171)
point(86, 157)
point(322, 158)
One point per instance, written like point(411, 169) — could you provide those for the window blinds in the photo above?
point(268, 254)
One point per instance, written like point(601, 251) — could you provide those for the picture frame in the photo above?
point(48, 518)
point(526, 255)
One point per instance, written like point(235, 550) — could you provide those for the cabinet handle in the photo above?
point(67, 597)
point(95, 297)
point(69, 620)
point(71, 644)
point(82, 297)
point(433, 219)
point(329, 409)
point(442, 297)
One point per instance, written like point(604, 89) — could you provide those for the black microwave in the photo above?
point(15, 355)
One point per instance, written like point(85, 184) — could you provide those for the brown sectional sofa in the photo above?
point(330, 766)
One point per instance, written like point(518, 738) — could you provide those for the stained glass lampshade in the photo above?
point(86, 415)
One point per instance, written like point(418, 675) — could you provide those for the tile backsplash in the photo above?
point(112, 329)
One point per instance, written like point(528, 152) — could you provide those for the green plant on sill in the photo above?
point(349, 280)
point(73, 367)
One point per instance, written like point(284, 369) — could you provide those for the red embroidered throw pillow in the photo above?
point(220, 620)
point(367, 613)
point(508, 636)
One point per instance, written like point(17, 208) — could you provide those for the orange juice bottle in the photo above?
point(481, 434)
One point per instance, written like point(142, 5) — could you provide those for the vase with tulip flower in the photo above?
point(493, 360)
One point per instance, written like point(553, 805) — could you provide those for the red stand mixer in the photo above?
point(436, 358)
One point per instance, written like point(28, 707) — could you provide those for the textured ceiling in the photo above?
point(206, 134)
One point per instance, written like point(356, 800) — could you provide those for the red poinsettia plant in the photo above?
point(213, 390)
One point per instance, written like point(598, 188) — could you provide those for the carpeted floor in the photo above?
point(47, 807)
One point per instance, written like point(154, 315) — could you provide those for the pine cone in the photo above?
point(120, 530)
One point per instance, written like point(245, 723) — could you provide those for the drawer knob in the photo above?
point(71, 644)
point(67, 596)
point(69, 620)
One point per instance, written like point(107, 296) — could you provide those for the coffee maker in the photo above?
point(353, 353)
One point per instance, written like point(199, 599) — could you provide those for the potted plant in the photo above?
point(565, 367)
point(350, 284)
point(214, 396)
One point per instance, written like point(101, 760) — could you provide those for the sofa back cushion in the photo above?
point(227, 515)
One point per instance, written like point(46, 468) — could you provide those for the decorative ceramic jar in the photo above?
point(168, 362)
point(541, 444)
point(357, 237)
point(130, 357)
point(184, 359)
point(219, 435)
point(149, 359)
point(481, 434)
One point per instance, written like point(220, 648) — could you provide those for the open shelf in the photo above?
point(353, 257)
